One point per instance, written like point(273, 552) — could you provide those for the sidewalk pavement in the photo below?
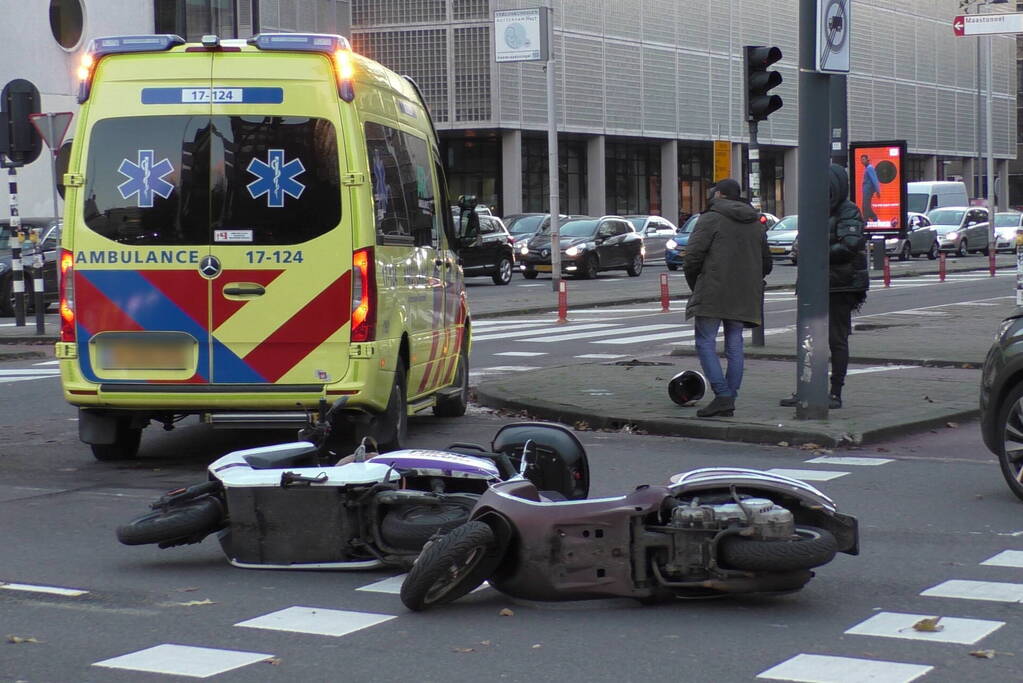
point(907, 373)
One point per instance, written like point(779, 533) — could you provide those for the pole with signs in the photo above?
point(525, 35)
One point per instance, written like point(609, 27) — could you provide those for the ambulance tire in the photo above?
point(125, 445)
point(391, 426)
point(455, 406)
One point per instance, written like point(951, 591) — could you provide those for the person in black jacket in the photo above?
point(848, 278)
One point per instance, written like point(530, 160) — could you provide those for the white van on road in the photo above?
point(925, 195)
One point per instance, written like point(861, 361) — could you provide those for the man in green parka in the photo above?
point(726, 261)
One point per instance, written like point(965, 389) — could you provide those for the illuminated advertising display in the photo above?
point(878, 185)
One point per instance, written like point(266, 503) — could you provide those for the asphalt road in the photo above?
point(931, 512)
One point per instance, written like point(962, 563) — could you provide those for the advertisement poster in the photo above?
point(878, 185)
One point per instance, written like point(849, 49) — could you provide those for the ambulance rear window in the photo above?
point(173, 180)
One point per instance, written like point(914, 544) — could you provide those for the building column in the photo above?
point(669, 180)
point(969, 165)
point(511, 172)
point(1002, 183)
point(596, 184)
point(790, 186)
point(738, 155)
point(931, 168)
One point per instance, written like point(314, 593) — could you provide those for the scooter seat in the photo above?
point(294, 457)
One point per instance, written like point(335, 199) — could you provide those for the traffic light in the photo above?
point(19, 140)
point(759, 104)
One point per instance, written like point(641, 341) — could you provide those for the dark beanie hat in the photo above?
point(727, 187)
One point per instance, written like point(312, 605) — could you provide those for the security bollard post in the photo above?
point(38, 282)
point(562, 302)
point(664, 293)
point(17, 267)
point(887, 271)
point(941, 266)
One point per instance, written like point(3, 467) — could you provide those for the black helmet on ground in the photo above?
point(686, 387)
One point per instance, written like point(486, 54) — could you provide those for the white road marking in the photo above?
point(504, 322)
point(808, 475)
point(316, 621)
point(880, 368)
point(847, 461)
point(677, 334)
point(499, 369)
point(827, 669)
point(604, 333)
point(1006, 558)
point(392, 586)
point(953, 629)
point(526, 333)
point(992, 591)
point(602, 356)
point(184, 660)
point(524, 354)
point(935, 314)
point(47, 362)
point(51, 590)
point(28, 371)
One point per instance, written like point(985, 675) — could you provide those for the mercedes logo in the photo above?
point(209, 267)
point(545, 253)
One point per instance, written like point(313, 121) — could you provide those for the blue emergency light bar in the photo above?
point(306, 42)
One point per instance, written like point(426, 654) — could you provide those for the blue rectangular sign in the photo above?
point(214, 95)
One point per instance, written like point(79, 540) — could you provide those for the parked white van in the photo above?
point(925, 195)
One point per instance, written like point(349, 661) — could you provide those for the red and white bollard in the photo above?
point(664, 293)
point(887, 271)
point(562, 301)
point(941, 266)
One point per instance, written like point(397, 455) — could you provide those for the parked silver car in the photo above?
point(961, 229)
point(921, 238)
point(781, 236)
point(655, 230)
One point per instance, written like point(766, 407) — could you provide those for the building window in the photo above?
point(695, 168)
point(536, 191)
point(915, 168)
point(633, 175)
point(66, 21)
point(193, 19)
point(474, 168)
point(377, 12)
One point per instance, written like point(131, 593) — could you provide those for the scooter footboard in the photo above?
point(276, 526)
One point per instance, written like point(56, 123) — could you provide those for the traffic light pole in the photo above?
point(812, 346)
point(757, 338)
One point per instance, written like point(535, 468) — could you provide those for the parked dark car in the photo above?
point(48, 231)
point(588, 246)
point(675, 248)
point(490, 253)
point(1001, 400)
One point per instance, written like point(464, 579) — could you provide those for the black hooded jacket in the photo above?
point(848, 245)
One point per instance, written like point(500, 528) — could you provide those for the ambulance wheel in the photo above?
point(455, 405)
point(125, 445)
point(391, 426)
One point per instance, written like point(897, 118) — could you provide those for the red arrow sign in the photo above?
point(958, 25)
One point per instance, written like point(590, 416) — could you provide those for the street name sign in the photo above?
point(987, 24)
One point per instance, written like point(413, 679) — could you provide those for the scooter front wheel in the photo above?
point(175, 525)
point(451, 566)
point(409, 527)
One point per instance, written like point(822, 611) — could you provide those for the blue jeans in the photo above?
point(723, 384)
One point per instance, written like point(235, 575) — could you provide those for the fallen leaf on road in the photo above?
point(810, 446)
point(581, 426)
point(195, 603)
point(928, 399)
point(273, 661)
point(18, 640)
point(188, 589)
point(537, 646)
point(929, 625)
point(506, 613)
point(484, 642)
point(783, 443)
point(983, 654)
point(462, 649)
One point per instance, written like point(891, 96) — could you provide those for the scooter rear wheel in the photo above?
point(810, 548)
point(175, 525)
point(409, 527)
point(451, 566)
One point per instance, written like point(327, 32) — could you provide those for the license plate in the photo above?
point(777, 250)
point(543, 269)
point(144, 351)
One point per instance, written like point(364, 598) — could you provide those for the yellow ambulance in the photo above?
point(253, 227)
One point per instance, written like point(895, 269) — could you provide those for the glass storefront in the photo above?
point(192, 19)
point(473, 166)
point(695, 168)
point(633, 178)
point(571, 176)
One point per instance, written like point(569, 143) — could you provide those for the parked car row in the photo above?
point(588, 246)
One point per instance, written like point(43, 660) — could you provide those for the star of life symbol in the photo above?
point(275, 178)
point(145, 179)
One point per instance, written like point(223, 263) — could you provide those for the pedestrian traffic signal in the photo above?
point(759, 104)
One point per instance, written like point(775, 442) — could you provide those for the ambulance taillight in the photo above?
point(364, 296)
point(67, 296)
point(113, 45)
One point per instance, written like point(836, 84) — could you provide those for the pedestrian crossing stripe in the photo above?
point(591, 333)
point(992, 591)
point(184, 660)
point(815, 668)
point(953, 629)
point(316, 621)
point(526, 333)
